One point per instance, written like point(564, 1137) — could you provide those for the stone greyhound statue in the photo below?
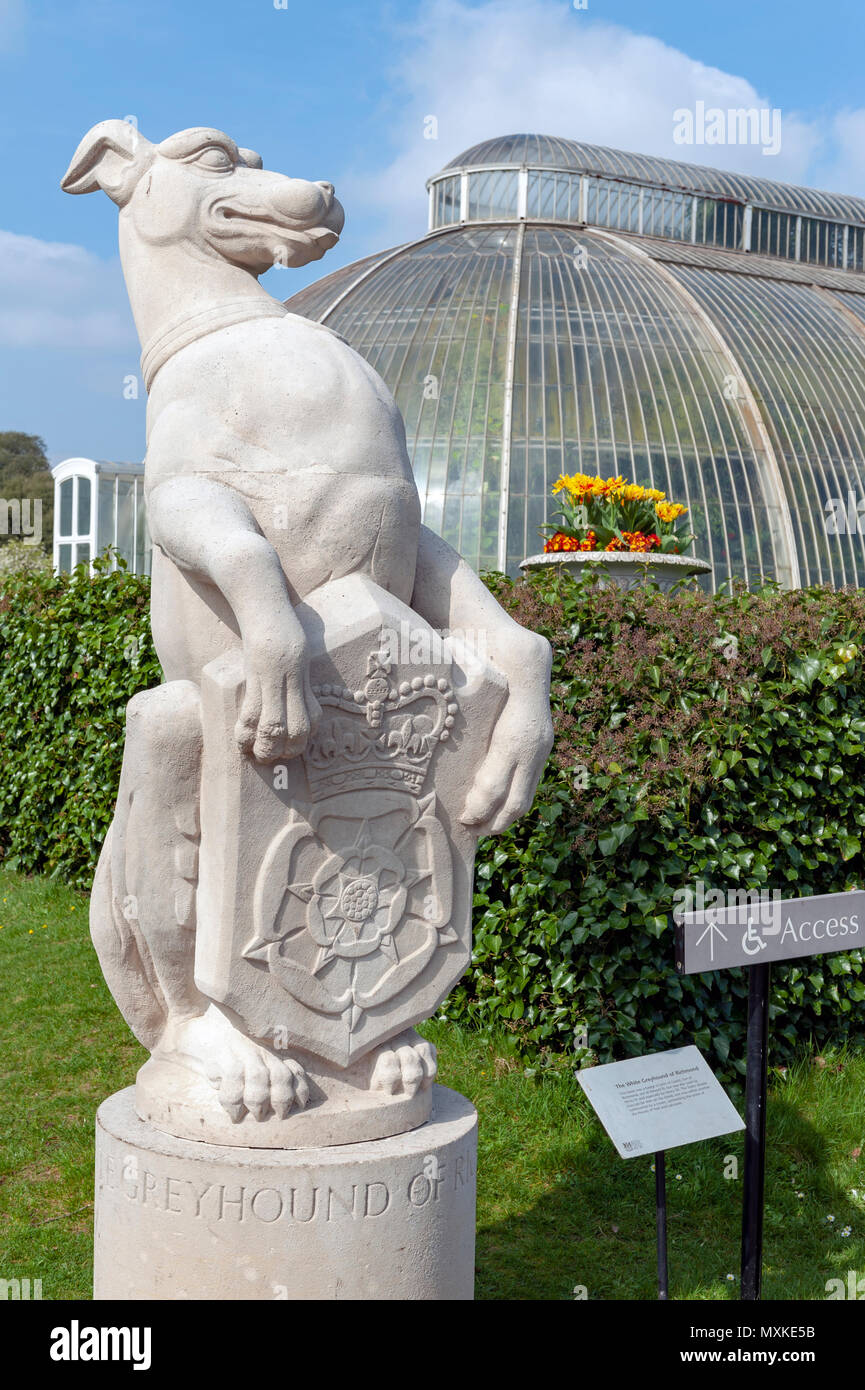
point(286, 885)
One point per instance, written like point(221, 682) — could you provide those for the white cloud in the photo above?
point(528, 65)
point(55, 295)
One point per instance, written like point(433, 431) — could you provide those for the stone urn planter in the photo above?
point(625, 568)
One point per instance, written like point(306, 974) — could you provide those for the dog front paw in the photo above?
point(247, 1077)
point(405, 1063)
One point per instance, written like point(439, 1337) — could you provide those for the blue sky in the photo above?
point(340, 91)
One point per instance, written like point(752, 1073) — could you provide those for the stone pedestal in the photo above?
point(387, 1219)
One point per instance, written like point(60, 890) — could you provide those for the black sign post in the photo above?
point(753, 934)
point(661, 1222)
point(754, 1182)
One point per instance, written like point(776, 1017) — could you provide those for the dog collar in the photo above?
point(188, 328)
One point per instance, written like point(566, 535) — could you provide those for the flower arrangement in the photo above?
point(612, 514)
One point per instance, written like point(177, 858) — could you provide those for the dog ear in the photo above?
point(251, 159)
point(112, 156)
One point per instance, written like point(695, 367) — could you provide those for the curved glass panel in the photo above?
point(852, 303)
point(613, 371)
point(667, 214)
point(447, 202)
point(805, 363)
point(773, 234)
point(545, 150)
point(765, 268)
point(493, 195)
point(316, 299)
point(142, 548)
point(126, 519)
point(83, 506)
point(571, 182)
point(821, 243)
point(105, 512)
point(718, 223)
point(65, 527)
point(616, 373)
point(553, 197)
point(434, 322)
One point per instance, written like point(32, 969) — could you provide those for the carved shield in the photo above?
point(334, 899)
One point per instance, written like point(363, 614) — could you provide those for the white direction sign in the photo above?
point(763, 930)
point(659, 1101)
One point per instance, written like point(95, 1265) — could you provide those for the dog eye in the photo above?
point(215, 157)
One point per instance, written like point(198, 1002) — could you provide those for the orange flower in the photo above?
point(559, 541)
point(669, 511)
point(638, 541)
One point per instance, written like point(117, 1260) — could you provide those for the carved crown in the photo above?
point(379, 737)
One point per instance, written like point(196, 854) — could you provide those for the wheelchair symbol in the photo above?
point(752, 942)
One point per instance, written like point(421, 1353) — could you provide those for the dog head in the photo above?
point(198, 187)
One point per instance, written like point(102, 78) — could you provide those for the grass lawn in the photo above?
point(556, 1207)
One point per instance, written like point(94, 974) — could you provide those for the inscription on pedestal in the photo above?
point(302, 1202)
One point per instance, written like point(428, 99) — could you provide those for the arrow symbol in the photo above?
point(710, 931)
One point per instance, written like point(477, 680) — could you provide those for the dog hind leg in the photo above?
point(143, 902)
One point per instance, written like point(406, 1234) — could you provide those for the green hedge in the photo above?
point(697, 737)
point(73, 651)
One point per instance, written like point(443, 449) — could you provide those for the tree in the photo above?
point(25, 477)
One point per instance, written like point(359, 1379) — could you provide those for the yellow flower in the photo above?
point(575, 483)
point(579, 485)
point(609, 486)
point(633, 492)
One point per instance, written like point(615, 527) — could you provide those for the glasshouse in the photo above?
point(100, 506)
point(578, 309)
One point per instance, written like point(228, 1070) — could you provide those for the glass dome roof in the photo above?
point(519, 348)
point(548, 151)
